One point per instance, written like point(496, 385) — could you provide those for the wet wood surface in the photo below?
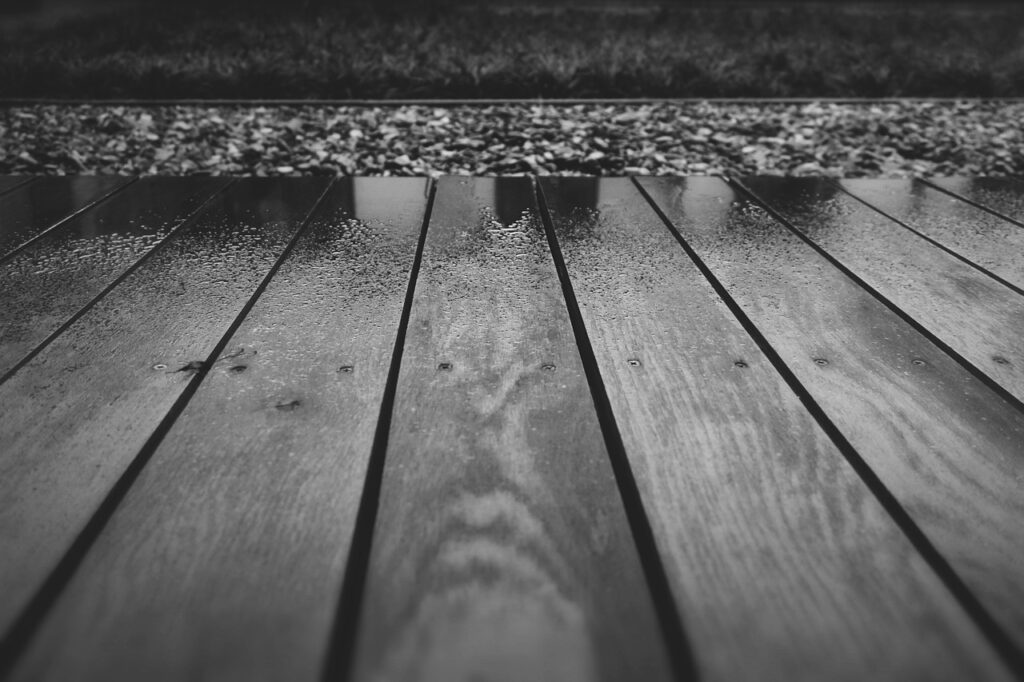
point(270, 458)
point(934, 434)
point(978, 317)
point(766, 574)
point(9, 182)
point(56, 277)
point(980, 237)
point(31, 209)
point(501, 549)
point(1004, 196)
point(77, 415)
point(256, 438)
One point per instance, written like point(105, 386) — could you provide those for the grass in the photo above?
point(448, 51)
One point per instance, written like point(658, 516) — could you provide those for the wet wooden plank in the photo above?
point(79, 412)
point(1005, 196)
point(30, 210)
point(783, 563)
point(9, 182)
point(501, 549)
point(941, 441)
point(259, 477)
point(976, 316)
point(50, 281)
point(981, 237)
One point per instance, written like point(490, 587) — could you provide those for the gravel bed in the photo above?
point(877, 140)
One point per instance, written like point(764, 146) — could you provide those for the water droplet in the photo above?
point(548, 367)
point(159, 365)
point(346, 369)
point(238, 369)
point(445, 366)
point(634, 362)
point(820, 361)
point(918, 361)
point(740, 363)
point(999, 359)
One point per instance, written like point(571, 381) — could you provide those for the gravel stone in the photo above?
point(898, 139)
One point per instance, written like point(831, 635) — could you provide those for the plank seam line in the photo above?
point(28, 622)
point(189, 218)
point(928, 239)
point(20, 185)
point(677, 645)
point(63, 221)
point(972, 202)
point(341, 646)
point(1003, 645)
point(902, 314)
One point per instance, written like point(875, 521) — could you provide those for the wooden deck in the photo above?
point(505, 429)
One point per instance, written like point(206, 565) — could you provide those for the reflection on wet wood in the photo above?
point(981, 237)
point(242, 487)
point(49, 281)
point(9, 182)
point(783, 564)
point(1005, 196)
point(501, 549)
point(177, 503)
point(945, 444)
point(32, 209)
point(976, 316)
point(76, 415)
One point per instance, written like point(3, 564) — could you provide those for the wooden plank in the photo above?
point(51, 280)
point(78, 414)
point(1005, 196)
point(259, 477)
point(501, 549)
point(980, 237)
point(977, 317)
point(782, 562)
point(9, 182)
point(945, 445)
point(30, 210)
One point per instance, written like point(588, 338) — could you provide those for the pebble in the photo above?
point(891, 139)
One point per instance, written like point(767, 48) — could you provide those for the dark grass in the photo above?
point(447, 51)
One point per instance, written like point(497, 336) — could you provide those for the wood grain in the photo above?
point(1002, 195)
point(783, 563)
point(76, 415)
point(501, 549)
point(31, 209)
point(225, 559)
point(945, 445)
point(51, 280)
point(976, 316)
point(981, 237)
